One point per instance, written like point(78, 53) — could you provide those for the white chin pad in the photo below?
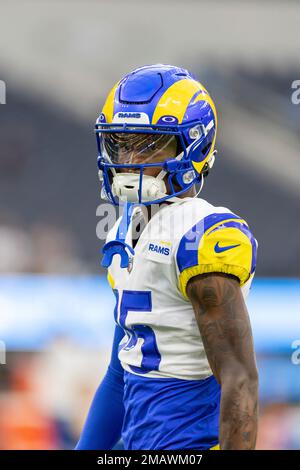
point(126, 186)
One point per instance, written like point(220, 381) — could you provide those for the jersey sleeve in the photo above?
point(219, 243)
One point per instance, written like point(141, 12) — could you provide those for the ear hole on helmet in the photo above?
point(205, 170)
point(206, 149)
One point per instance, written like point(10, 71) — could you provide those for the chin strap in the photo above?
point(181, 199)
point(119, 246)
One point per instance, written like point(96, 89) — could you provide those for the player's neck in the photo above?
point(150, 211)
point(190, 193)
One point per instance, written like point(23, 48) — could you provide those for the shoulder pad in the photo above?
point(221, 242)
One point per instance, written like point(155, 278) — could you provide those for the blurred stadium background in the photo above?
point(59, 60)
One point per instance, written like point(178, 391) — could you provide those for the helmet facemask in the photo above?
point(144, 165)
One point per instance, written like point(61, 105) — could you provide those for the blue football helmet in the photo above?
point(155, 135)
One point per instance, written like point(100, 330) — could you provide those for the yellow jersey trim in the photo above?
point(239, 271)
point(217, 447)
point(111, 280)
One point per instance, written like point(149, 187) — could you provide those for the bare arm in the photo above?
point(225, 329)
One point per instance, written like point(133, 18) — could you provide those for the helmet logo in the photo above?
point(168, 119)
point(129, 115)
point(130, 118)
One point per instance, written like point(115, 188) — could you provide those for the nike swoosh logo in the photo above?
point(220, 249)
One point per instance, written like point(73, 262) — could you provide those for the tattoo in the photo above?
point(225, 330)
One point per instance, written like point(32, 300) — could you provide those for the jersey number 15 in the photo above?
point(137, 301)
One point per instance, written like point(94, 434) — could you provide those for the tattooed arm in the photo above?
point(225, 329)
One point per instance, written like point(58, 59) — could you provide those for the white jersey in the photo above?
point(182, 240)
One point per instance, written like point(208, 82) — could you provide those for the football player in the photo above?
point(182, 373)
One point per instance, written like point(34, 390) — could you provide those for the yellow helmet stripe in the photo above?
point(108, 108)
point(176, 99)
point(205, 97)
